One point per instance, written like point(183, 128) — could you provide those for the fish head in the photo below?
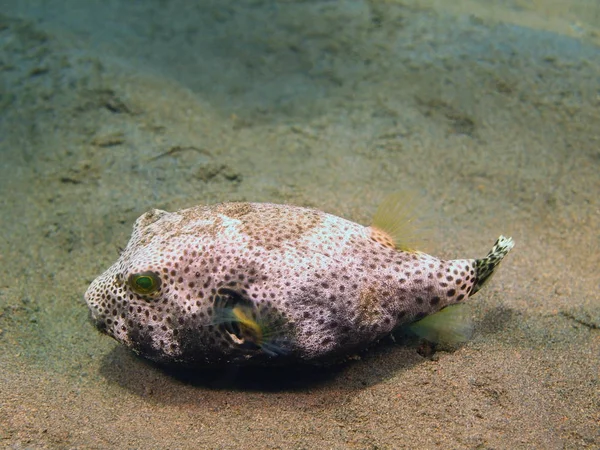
point(161, 300)
point(140, 300)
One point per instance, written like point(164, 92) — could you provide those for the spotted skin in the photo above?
point(323, 286)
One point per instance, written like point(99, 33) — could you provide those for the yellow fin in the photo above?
point(395, 223)
point(450, 326)
point(251, 329)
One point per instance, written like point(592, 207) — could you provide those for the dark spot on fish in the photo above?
point(141, 341)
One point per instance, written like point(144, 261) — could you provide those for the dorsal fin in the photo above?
point(395, 223)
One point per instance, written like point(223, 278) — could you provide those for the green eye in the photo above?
point(145, 282)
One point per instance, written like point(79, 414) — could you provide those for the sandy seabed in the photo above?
point(491, 110)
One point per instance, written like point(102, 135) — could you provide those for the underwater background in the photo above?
point(489, 109)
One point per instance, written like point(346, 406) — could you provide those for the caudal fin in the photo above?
point(485, 267)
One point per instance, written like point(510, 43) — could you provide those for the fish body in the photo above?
point(244, 283)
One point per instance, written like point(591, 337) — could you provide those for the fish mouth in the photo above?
point(99, 324)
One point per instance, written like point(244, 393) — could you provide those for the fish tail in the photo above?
point(485, 267)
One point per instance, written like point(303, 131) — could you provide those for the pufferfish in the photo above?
point(269, 284)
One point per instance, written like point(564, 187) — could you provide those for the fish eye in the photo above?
point(144, 282)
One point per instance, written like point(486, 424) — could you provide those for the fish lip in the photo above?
point(92, 317)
